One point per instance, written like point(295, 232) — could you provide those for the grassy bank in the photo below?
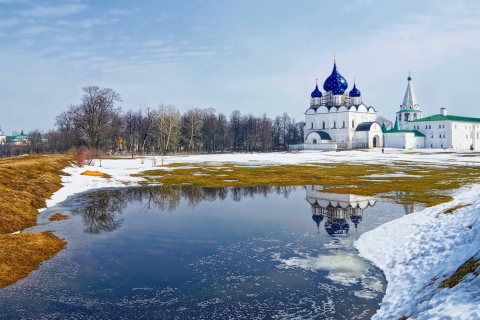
point(25, 183)
point(403, 182)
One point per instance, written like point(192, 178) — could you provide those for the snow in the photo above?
point(411, 251)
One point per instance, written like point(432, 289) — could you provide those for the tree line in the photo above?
point(97, 124)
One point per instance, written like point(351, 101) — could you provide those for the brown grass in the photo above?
point(95, 174)
point(424, 184)
point(22, 253)
point(468, 267)
point(58, 217)
point(25, 183)
point(452, 209)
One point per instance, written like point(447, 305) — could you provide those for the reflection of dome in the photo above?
point(356, 220)
point(317, 218)
point(335, 80)
point(316, 93)
point(338, 226)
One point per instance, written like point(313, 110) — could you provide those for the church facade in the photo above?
point(413, 131)
point(338, 118)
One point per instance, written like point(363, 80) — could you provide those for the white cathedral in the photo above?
point(340, 120)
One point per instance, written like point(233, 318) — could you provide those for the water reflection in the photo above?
point(337, 209)
point(206, 253)
point(99, 210)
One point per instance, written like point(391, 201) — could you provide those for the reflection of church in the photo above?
point(337, 209)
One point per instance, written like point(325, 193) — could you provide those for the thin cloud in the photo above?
point(118, 12)
point(60, 11)
point(8, 23)
point(36, 30)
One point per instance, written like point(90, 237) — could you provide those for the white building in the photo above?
point(412, 131)
point(339, 119)
point(2, 137)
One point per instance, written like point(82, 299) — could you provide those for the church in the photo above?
point(338, 118)
point(440, 131)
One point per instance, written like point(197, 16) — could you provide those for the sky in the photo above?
point(253, 56)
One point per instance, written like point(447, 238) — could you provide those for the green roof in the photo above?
point(415, 132)
point(439, 117)
point(395, 126)
point(409, 110)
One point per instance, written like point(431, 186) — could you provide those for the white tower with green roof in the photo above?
point(409, 109)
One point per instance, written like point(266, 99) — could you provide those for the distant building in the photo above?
point(412, 131)
point(339, 119)
point(20, 139)
point(3, 138)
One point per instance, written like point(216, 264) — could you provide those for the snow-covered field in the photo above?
point(411, 251)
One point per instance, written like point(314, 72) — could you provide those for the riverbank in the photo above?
point(25, 183)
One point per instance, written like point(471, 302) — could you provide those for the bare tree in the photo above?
point(167, 128)
point(53, 141)
point(383, 120)
point(192, 127)
point(265, 129)
point(236, 130)
point(251, 133)
point(34, 141)
point(97, 119)
point(223, 140)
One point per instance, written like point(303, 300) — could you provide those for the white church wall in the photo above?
point(463, 134)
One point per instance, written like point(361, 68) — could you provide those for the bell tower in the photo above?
point(409, 109)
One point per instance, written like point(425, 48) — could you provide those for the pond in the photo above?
point(206, 253)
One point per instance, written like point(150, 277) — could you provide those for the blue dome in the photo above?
point(317, 219)
point(338, 90)
point(356, 220)
point(337, 226)
point(316, 93)
point(335, 80)
point(354, 92)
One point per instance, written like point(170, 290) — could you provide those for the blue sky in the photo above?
point(254, 56)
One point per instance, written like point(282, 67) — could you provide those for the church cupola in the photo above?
point(316, 96)
point(338, 90)
point(409, 109)
point(335, 80)
point(355, 95)
point(316, 93)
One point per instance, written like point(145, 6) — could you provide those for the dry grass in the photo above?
point(95, 174)
point(58, 217)
point(452, 209)
point(468, 267)
point(23, 253)
point(25, 183)
point(423, 184)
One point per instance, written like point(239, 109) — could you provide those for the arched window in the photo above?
point(343, 124)
point(323, 124)
point(314, 140)
point(334, 124)
point(353, 123)
point(311, 126)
